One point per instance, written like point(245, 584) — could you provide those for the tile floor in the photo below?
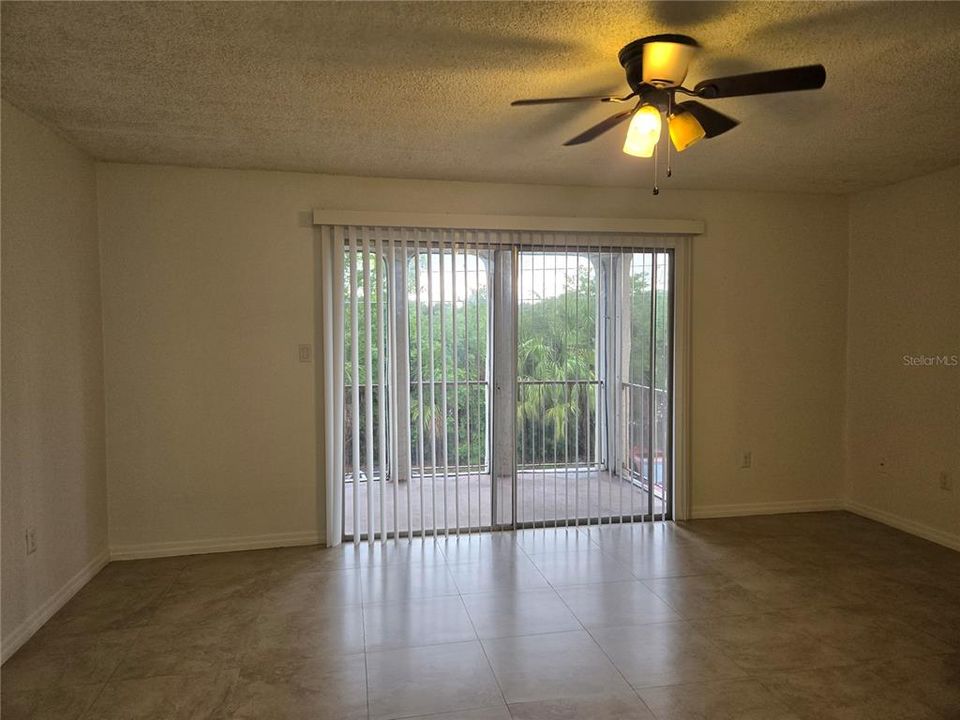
point(817, 616)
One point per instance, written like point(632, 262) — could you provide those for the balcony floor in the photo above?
point(541, 495)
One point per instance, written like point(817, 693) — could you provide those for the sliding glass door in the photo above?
point(504, 382)
point(585, 358)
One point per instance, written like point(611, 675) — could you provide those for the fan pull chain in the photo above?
point(656, 157)
point(669, 154)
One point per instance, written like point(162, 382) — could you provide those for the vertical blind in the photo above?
point(494, 379)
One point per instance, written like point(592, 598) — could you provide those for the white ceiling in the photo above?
point(423, 89)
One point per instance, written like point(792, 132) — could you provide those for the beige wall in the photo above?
point(905, 301)
point(52, 405)
point(208, 288)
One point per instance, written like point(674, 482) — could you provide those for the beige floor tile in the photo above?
point(934, 617)
point(791, 588)
point(673, 562)
point(50, 661)
point(136, 572)
point(185, 649)
point(497, 712)
point(603, 707)
point(417, 622)
point(120, 612)
point(290, 590)
point(865, 633)
point(390, 583)
point(559, 665)
point(510, 614)
point(167, 697)
point(425, 680)
point(768, 642)
point(806, 551)
point(111, 601)
point(314, 558)
point(505, 575)
point(933, 680)
point(729, 700)
point(705, 596)
point(67, 702)
point(190, 603)
point(581, 568)
point(480, 548)
point(616, 604)
point(305, 688)
point(550, 540)
point(226, 569)
point(846, 693)
point(665, 654)
point(824, 615)
point(415, 551)
point(310, 631)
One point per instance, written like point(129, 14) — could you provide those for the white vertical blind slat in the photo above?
point(433, 384)
point(456, 396)
point(401, 289)
point(466, 356)
point(599, 396)
point(651, 392)
point(565, 387)
point(444, 440)
point(421, 426)
point(393, 354)
point(368, 370)
point(382, 394)
point(577, 387)
point(330, 291)
point(521, 388)
point(354, 384)
point(482, 447)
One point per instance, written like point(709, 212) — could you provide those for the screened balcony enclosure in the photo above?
point(490, 386)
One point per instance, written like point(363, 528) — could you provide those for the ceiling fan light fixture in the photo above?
point(643, 133)
point(685, 130)
point(666, 59)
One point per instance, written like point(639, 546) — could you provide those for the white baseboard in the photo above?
point(768, 508)
point(213, 545)
point(950, 540)
point(25, 630)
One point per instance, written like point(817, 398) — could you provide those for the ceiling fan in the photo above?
point(656, 67)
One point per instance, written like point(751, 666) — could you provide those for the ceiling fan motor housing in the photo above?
point(659, 61)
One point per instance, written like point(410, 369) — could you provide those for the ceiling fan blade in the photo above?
point(807, 77)
point(601, 127)
point(578, 98)
point(714, 123)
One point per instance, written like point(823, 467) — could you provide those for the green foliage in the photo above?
point(556, 367)
point(558, 392)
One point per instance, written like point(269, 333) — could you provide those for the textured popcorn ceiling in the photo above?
point(423, 90)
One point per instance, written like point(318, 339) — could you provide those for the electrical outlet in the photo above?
point(946, 482)
point(304, 353)
point(746, 459)
point(883, 466)
point(30, 536)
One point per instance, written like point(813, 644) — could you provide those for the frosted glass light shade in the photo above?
point(685, 130)
point(665, 64)
point(643, 133)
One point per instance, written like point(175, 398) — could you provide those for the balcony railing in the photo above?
point(557, 423)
